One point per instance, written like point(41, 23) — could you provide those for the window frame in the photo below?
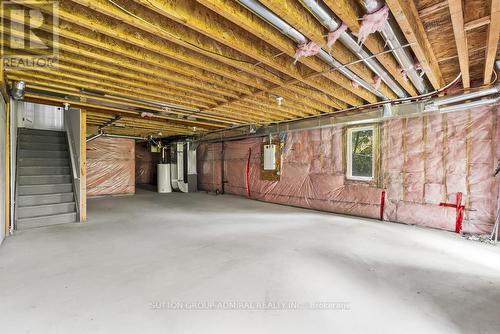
point(349, 160)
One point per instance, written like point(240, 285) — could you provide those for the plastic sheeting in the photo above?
point(145, 164)
point(110, 166)
point(425, 161)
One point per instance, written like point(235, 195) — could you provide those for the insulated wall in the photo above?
point(424, 161)
point(110, 166)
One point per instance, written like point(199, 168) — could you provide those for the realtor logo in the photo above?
point(29, 34)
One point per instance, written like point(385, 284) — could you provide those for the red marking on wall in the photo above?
point(460, 211)
point(382, 205)
point(247, 178)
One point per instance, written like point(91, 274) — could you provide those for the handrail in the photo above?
point(71, 153)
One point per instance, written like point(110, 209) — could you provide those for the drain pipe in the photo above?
point(327, 19)
point(402, 55)
point(123, 136)
point(102, 134)
point(271, 18)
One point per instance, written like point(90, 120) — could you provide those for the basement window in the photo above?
point(361, 153)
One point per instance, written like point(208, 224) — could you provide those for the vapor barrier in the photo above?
point(425, 162)
point(145, 164)
point(110, 166)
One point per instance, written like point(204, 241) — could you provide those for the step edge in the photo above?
point(56, 215)
point(45, 205)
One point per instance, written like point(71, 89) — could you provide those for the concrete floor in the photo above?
point(125, 269)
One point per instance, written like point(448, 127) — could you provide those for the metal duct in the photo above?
point(324, 15)
point(267, 15)
point(380, 114)
point(472, 104)
point(465, 96)
point(18, 89)
point(402, 55)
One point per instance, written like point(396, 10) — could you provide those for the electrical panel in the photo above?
point(270, 157)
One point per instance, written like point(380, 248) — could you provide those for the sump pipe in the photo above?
point(101, 134)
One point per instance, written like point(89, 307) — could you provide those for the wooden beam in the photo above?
point(407, 17)
point(482, 21)
point(87, 37)
point(83, 166)
point(492, 42)
point(80, 104)
point(205, 28)
point(457, 19)
point(135, 70)
point(433, 8)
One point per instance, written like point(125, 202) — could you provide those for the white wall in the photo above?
point(3, 174)
point(40, 116)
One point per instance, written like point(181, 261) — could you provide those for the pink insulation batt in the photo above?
point(425, 161)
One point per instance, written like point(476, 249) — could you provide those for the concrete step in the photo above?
point(43, 162)
point(42, 154)
point(29, 200)
point(26, 223)
point(45, 210)
point(43, 146)
point(38, 132)
point(44, 179)
point(25, 138)
point(41, 189)
point(35, 170)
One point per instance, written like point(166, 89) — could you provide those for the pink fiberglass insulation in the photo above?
point(209, 167)
point(425, 161)
point(306, 50)
point(110, 166)
point(372, 22)
point(333, 36)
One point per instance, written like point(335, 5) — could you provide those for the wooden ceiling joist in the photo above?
point(258, 54)
point(492, 41)
point(220, 58)
point(406, 15)
point(457, 19)
point(66, 85)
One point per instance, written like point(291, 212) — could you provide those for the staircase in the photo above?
point(44, 182)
